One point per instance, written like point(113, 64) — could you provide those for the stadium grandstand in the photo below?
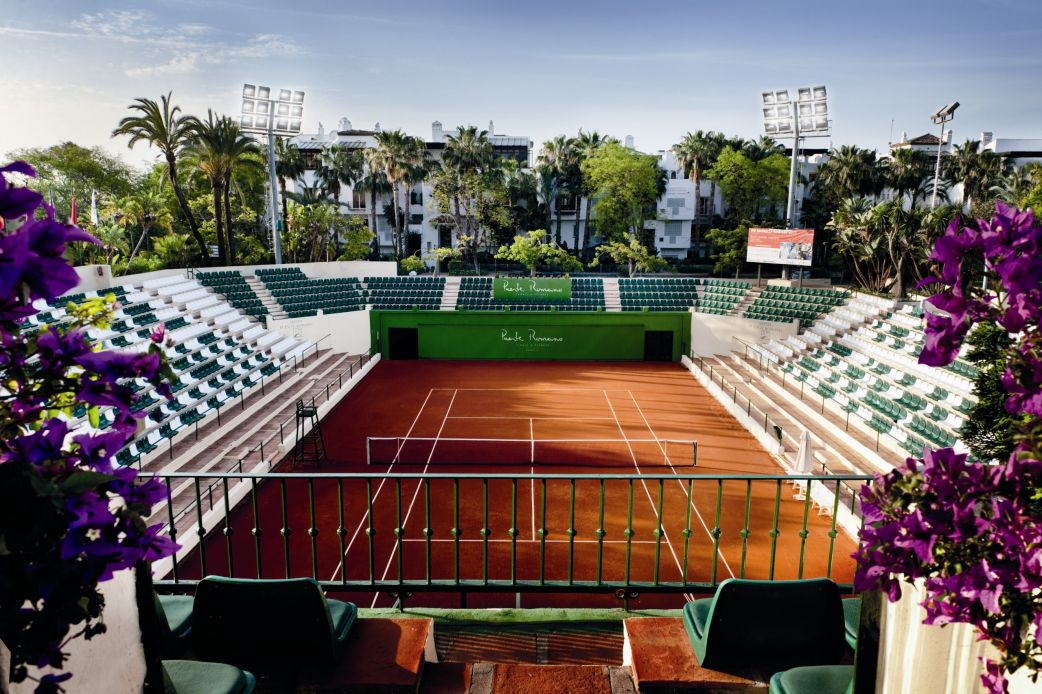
point(609, 462)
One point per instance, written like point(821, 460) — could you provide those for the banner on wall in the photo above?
point(780, 246)
point(545, 289)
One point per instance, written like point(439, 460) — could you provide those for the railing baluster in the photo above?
point(399, 531)
point(456, 530)
point(745, 528)
point(341, 531)
point(687, 532)
point(228, 528)
point(774, 528)
point(286, 531)
point(658, 528)
point(571, 533)
point(370, 530)
point(832, 531)
point(542, 532)
point(629, 531)
point(484, 530)
point(171, 525)
point(427, 531)
point(200, 531)
point(257, 530)
point(803, 530)
point(312, 528)
point(716, 528)
point(513, 532)
point(600, 532)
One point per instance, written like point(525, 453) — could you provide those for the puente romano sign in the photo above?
point(540, 289)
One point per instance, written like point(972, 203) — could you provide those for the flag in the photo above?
point(72, 212)
point(94, 208)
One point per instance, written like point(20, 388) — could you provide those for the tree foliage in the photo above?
point(753, 188)
point(729, 247)
point(624, 185)
point(532, 250)
point(633, 254)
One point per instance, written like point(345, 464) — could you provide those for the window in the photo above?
point(416, 219)
point(358, 199)
point(415, 197)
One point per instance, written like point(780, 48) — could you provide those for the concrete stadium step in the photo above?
point(270, 304)
point(450, 294)
point(750, 296)
point(523, 678)
point(612, 301)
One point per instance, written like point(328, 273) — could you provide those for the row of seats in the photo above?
point(233, 286)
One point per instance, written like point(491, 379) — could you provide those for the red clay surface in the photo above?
point(528, 401)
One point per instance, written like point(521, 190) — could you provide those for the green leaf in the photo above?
point(79, 482)
point(94, 417)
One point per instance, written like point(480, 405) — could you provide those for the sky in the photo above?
point(539, 68)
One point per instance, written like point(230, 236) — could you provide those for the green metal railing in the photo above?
point(625, 534)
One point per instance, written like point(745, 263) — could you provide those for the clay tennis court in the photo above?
point(604, 419)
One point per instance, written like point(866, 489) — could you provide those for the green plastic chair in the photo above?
point(851, 620)
point(194, 677)
point(816, 679)
point(288, 622)
point(775, 624)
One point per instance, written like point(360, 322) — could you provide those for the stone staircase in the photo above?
point(450, 295)
point(273, 307)
point(612, 302)
point(750, 296)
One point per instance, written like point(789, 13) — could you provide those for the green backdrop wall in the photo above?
point(531, 335)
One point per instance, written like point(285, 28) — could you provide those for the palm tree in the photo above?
point(584, 145)
point(147, 210)
point(468, 150)
point(547, 191)
point(906, 169)
point(375, 183)
point(162, 126)
point(173, 250)
point(215, 151)
point(289, 164)
point(760, 149)
point(851, 172)
point(403, 159)
point(1012, 187)
point(695, 153)
point(975, 168)
point(338, 166)
point(557, 157)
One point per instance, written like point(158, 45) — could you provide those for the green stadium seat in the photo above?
point(195, 677)
point(817, 679)
point(852, 618)
point(780, 624)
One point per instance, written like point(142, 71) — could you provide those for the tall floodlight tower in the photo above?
point(940, 117)
point(784, 118)
point(265, 114)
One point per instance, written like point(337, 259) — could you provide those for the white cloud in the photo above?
point(178, 65)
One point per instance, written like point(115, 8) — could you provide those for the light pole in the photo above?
point(807, 116)
point(264, 115)
point(940, 117)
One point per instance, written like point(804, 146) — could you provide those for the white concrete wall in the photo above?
point(919, 659)
point(712, 334)
point(93, 277)
point(114, 662)
point(347, 332)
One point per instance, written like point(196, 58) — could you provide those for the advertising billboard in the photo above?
point(780, 246)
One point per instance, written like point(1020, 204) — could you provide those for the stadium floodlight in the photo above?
point(807, 116)
point(262, 114)
point(940, 117)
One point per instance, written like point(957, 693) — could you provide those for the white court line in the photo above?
point(556, 419)
point(682, 488)
point(365, 515)
point(644, 484)
point(522, 540)
point(415, 495)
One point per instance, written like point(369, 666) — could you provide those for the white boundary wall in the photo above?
point(712, 334)
point(342, 332)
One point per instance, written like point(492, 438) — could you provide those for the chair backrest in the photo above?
point(781, 624)
point(270, 623)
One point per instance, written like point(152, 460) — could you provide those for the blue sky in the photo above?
point(536, 68)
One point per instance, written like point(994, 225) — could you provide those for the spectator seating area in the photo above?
point(216, 352)
point(423, 293)
point(475, 294)
point(233, 287)
point(784, 304)
point(680, 294)
point(865, 359)
point(302, 296)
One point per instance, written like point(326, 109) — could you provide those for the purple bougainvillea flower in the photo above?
point(61, 349)
point(17, 201)
point(111, 366)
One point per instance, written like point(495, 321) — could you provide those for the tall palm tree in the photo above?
point(375, 183)
point(851, 172)
point(147, 210)
point(162, 126)
point(402, 159)
point(975, 168)
point(215, 151)
point(695, 153)
point(289, 164)
point(906, 169)
point(558, 157)
point(338, 166)
point(760, 149)
point(468, 150)
point(584, 145)
point(1012, 187)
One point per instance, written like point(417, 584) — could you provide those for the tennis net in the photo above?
point(599, 453)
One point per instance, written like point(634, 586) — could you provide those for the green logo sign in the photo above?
point(541, 289)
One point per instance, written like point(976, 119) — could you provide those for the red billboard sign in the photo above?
point(780, 246)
